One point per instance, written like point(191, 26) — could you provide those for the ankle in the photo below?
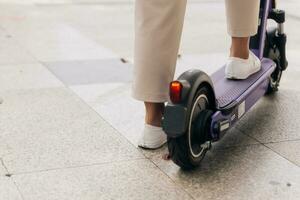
point(154, 113)
point(153, 120)
point(244, 54)
point(240, 47)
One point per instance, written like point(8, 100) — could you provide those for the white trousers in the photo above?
point(158, 28)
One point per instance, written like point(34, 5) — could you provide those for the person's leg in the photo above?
point(158, 27)
point(154, 113)
point(242, 22)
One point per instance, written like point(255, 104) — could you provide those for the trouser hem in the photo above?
point(242, 32)
point(154, 98)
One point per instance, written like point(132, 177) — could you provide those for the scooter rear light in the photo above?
point(175, 91)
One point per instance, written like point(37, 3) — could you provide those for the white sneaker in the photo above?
point(238, 68)
point(152, 137)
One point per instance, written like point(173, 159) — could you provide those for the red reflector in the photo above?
point(175, 91)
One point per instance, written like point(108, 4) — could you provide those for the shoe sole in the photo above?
point(242, 78)
point(151, 146)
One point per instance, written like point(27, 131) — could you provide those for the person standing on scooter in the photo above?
point(158, 28)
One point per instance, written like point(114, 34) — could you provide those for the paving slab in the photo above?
point(91, 71)
point(53, 128)
point(51, 38)
point(234, 138)
point(104, 1)
point(56, 52)
point(291, 25)
point(138, 179)
point(26, 76)
point(17, 1)
point(248, 172)
point(91, 93)
point(11, 52)
point(291, 7)
point(290, 150)
point(117, 21)
point(59, 52)
point(273, 118)
point(290, 80)
point(122, 112)
point(8, 190)
point(2, 168)
point(293, 59)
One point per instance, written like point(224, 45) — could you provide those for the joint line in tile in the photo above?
point(282, 141)
point(177, 184)
point(3, 164)
point(264, 144)
point(76, 167)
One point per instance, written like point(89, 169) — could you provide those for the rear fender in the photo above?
point(176, 116)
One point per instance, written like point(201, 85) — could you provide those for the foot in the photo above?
point(238, 68)
point(152, 137)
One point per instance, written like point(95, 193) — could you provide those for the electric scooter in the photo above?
point(202, 108)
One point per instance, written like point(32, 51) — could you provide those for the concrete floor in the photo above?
point(69, 128)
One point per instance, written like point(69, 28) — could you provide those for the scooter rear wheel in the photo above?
point(188, 150)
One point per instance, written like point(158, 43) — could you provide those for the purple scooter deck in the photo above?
point(228, 91)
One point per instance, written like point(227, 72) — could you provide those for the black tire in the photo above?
point(272, 52)
point(179, 148)
point(274, 80)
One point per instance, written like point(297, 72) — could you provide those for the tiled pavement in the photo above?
point(68, 126)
